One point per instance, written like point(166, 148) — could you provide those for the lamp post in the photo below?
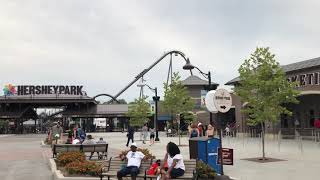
point(155, 98)
point(189, 66)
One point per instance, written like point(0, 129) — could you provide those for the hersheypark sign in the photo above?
point(22, 90)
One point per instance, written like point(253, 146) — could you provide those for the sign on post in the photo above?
point(209, 101)
point(222, 100)
point(227, 155)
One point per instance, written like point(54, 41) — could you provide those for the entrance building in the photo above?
point(19, 105)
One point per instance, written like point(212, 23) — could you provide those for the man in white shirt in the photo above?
point(134, 158)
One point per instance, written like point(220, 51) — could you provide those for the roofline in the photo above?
point(236, 81)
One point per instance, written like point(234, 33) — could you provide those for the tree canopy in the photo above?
point(139, 111)
point(176, 97)
point(264, 86)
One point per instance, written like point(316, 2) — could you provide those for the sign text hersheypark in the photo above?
point(21, 90)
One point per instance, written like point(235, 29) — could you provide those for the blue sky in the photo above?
point(104, 44)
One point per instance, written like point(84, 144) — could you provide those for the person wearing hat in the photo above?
point(134, 159)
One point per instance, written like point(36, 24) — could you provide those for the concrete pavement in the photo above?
point(21, 158)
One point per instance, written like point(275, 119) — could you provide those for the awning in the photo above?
point(164, 118)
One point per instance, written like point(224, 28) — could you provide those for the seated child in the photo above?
point(155, 168)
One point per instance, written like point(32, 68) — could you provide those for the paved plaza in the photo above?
point(21, 156)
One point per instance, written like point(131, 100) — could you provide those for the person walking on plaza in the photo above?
point(130, 135)
point(134, 158)
point(174, 159)
point(210, 131)
point(152, 135)
point(144, 133)
point(56, 132)
point(227, 130)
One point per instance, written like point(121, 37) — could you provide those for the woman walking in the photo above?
point(152, 136)
point(144, 133)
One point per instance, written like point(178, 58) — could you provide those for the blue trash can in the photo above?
point(206, 150)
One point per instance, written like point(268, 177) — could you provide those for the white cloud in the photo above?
point(104, 44)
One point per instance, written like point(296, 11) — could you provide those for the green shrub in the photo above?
point(204, 170)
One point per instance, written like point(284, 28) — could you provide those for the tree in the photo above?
point(176, 97)
point(139, 112)
point(188, 117)
point(177, 101)
point(264, 86)
point(122, 101)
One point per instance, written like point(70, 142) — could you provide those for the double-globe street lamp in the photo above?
point(155, 98)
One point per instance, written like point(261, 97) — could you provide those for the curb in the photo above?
point(57, 175)
point(43, 145)
point(5, 135)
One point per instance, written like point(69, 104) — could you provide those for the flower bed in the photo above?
point(67, 157)
point(83, 168)
point(75, 163)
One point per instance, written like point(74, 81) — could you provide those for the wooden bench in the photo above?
point(115, 164)
point(190, 172)
point(99, 148)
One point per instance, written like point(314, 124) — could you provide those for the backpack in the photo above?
point(194, 133)
point(83, 135)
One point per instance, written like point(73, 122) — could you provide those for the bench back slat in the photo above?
point(101, 147)
point(116, 164)
point(74, 148)
point(59, 148)
point(88, 148)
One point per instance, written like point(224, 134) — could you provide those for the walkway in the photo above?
point(21, 158)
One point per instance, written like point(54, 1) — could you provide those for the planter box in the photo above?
point(57, 174)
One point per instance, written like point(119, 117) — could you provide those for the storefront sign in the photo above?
point(22, 90)
point(227, 155)
point(306, 79)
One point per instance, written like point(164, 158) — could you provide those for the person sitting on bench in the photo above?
point(175, 162)
point(134, 158)
point(89, 141)
point(101, 141)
